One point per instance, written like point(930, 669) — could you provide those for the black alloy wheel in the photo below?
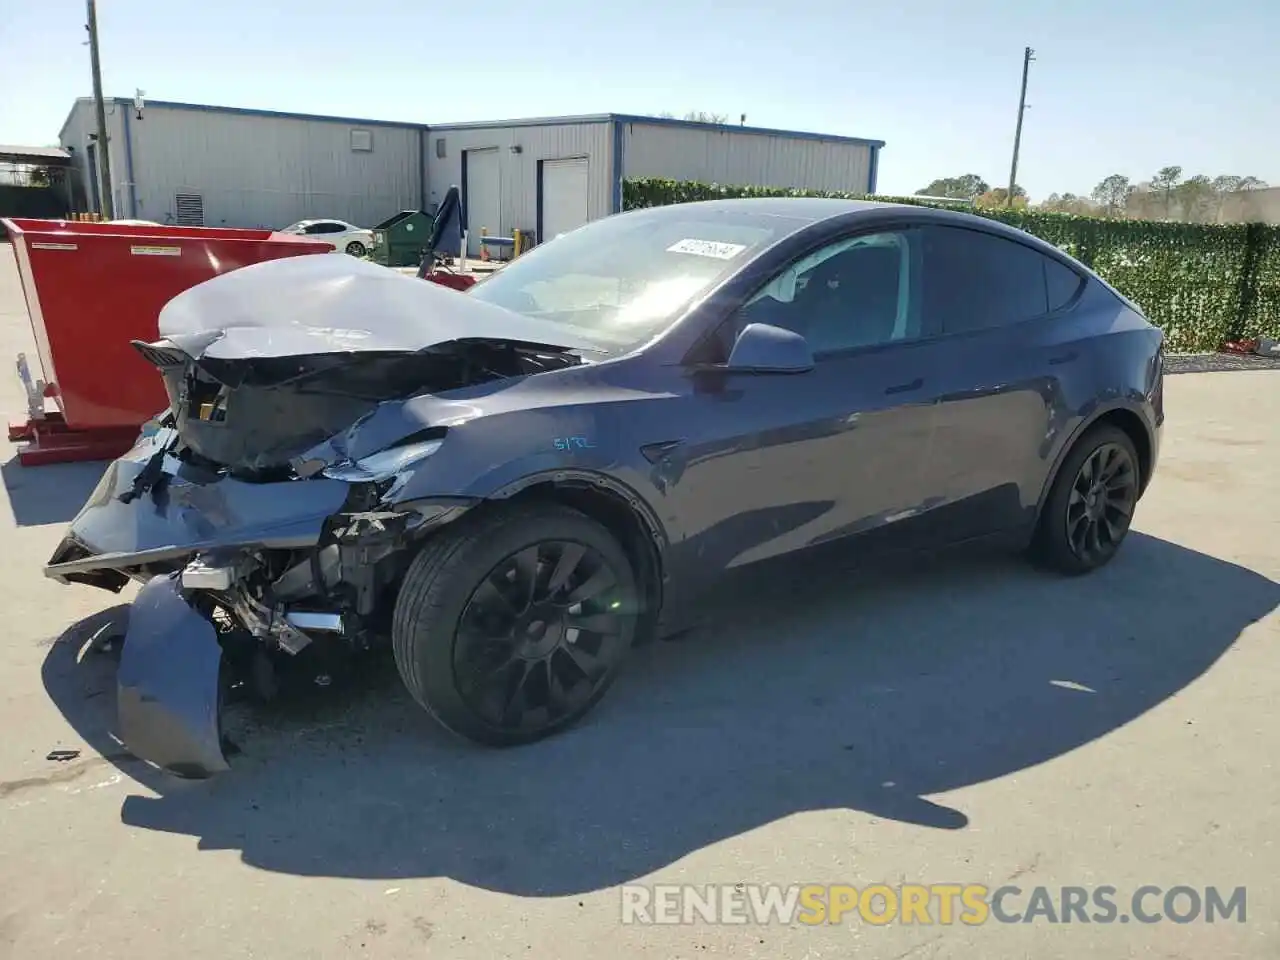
point(1091, 505)
point(1101, 502)
point(540, 635)
point(512, 626)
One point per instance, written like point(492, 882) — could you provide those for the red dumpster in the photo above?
point(90, 289)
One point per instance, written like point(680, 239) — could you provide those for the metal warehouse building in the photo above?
point(228, 166)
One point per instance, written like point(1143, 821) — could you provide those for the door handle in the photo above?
point(915, 384)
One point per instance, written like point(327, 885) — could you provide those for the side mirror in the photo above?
point(762, 348)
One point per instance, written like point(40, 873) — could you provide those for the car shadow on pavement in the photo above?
point(50, 494)
point(865, 691)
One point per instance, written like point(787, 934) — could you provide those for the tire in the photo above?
point(356, 248)
point(456, 597)
point(1077, 507)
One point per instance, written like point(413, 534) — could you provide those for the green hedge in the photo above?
point(1203, 284)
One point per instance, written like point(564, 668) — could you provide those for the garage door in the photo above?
point(484, 197)
point(564, 196)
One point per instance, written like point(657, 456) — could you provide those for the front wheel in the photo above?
point(1087, 514)
point(513, 627)
point(356, 248)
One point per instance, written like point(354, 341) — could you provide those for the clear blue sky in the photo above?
point(1119, 86)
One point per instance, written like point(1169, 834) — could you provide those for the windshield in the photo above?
point(622, 280)
point(296, 227)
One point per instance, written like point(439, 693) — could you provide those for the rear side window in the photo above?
point(1063, 283)
point(975, 281)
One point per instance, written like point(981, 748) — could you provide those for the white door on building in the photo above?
point(484, 197)
point(564, 196)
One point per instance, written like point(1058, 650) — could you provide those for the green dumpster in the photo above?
point(400, 241)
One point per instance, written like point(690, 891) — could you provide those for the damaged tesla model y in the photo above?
point(511, 486)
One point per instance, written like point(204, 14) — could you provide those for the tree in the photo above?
point(1164, 182)
point(968, 186)
point(1227, 184)
point(998, 196)
point(1196, 198)
point(1230, 197)
point(1067, 203)
point(1112, 193)
point(38, 177)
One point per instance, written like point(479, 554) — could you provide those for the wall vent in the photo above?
point(190, 209)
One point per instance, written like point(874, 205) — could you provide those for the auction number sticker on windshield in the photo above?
point(707, 248)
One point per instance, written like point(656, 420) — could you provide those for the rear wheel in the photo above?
point(356, 248)
point(1089, 509)
point(511, 628)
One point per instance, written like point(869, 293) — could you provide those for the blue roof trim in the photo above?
point(577, 121)
point(734, 128)
point(277, 114)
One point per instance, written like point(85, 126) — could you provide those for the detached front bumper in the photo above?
point(149, 515)
point(170, 683)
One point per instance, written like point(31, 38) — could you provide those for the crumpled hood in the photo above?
point(306, 306)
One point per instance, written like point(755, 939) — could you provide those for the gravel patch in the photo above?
point(1217, 362)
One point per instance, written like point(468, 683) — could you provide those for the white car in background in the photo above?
point(345, 237)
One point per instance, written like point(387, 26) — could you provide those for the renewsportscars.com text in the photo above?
point(925, 904)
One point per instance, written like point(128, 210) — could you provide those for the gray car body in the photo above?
point(700, 467)
point(914, 444)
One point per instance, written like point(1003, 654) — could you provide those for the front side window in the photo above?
point(856, 292)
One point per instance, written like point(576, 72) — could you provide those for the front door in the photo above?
point(786, 461)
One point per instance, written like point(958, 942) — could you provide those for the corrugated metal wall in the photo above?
point(519, 171)
point(256, 171)
point(81, 122)
point(268, 171)
point(74, 137)
point(730, 157)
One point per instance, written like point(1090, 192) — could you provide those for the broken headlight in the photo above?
point(383, 464)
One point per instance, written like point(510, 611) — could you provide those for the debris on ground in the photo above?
point(62, 756)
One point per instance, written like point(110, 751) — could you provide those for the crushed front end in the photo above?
point(253, 528)
point(233, 572)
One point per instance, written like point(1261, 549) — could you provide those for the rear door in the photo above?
point(1001, 306)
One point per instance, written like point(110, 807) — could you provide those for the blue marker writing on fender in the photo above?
point(573, 443)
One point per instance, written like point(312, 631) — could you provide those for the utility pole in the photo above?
point(1027, 56)
point(104, 147)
